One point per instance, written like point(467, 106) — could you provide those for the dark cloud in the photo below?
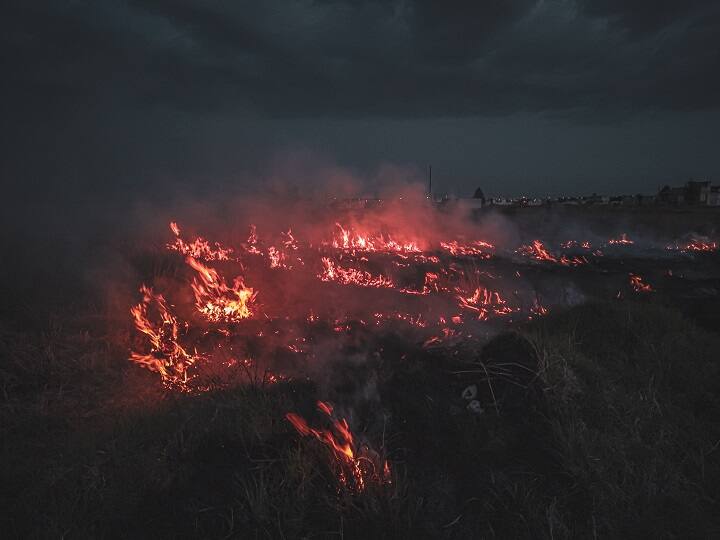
point(455, 32)
point(130, 90)
point(396, 59)
point(646, 16)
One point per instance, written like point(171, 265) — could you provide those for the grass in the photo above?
point(613, 433)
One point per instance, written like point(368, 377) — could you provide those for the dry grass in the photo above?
point(618, 438)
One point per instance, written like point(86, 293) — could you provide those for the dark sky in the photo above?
point(121, 98)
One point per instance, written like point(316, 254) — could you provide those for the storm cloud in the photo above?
point(115, 94)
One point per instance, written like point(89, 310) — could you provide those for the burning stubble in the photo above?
point(277, 304)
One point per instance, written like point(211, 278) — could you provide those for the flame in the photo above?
point(356, 468)
point(639, 285)
point(166, 355)
point(289, 240)
point(485, 302)
point(412, 320)
point(350, 240)
point(199, 248)
point(622, 241)
point(570, 244)
point(251, 244)
point(218, 318)
point(694, 245)
point(538, 251)
point(538, 309)
point(477, 248)
point(352, 276)
point(215, 299)
point(276, 257)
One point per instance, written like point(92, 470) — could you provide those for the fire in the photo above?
point(166, 355)
point(485, 303)
point(694, 245)
point(622, 241)
point(352, 276)
point(350, 240)
point(538, 251)
point(289, 240)
point(477, 248)
point(276, 257)
point(356, 467)
point(199, 248)
point(448, 286)
point(538, 309)
point(215, 299)
point(251, 244)
point(570, 244)
point(639, 285)
point(193, 330)
point(412, 320)
point(174, 345)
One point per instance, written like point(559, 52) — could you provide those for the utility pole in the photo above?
point(430, 182)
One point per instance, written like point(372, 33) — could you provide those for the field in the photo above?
point(544, 393)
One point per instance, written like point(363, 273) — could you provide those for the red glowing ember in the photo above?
point(622, 241)
point(694, 245)
point(639, 285)
point(538, 251)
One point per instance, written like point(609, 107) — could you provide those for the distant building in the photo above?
point(597, 199)
point(569, 201)
point(500, 201)
point(645, 200)
point(697, 192)
point(693, 192)
point(714, 196)
point(531, 201)
point(671, 195)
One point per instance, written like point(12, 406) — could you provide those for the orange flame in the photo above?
point(215, 299)
point(199, 248)
point(167, 356)
point(639, 285)
point(694, 245)
point(538, 251)
point(485, 302)
point(356, 468)
point(476, 249)
point(622, 241)
point(352, 276)
point(350, 240)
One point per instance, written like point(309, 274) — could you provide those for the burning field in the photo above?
point(269, 305)
point(394, 370)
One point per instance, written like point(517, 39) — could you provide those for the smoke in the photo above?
point(337, 261)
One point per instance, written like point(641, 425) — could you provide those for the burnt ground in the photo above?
point(601, 419)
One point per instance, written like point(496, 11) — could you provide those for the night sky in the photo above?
point(130, 99)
